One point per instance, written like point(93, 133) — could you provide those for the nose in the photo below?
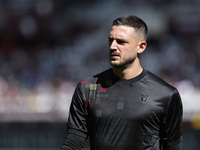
point(113, 45)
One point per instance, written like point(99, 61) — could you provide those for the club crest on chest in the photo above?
point(144, 98)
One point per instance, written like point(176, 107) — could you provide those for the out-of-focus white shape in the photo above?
point(190, 98)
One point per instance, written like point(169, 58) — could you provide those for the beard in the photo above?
point(124, 64)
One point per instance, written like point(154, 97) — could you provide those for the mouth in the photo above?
point(114, 55)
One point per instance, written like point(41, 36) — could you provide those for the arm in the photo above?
point(73, 142)
point(173, 147)
point(171, 131)
point(77, 123)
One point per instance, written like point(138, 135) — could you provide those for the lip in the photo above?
point(114, 55)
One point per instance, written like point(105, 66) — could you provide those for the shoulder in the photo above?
point(102, 74)
point(157, 81)
point(87, 87)
point(99, 78)
point(96, 79)
point(162, 89)
point(157, 85)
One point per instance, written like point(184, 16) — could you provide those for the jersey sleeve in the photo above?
point(77, 122)
point(171, 132)
point(73, 142)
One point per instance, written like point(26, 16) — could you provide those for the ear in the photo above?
point(141, 47)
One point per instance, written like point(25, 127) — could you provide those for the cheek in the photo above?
point(132, 51)
point(129, 55)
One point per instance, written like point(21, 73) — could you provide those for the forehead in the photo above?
point(121, 31)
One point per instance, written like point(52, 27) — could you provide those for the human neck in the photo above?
point(128, 72)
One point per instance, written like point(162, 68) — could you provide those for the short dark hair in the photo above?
point(132, 21)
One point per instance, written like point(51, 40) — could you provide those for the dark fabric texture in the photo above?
point(141, 113)
point(73, 142)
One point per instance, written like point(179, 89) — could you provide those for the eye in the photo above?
point(110, 40)
point(119, 41)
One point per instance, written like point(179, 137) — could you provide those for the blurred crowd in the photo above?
point(47, 46)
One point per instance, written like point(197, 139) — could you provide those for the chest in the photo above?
point(130, 102)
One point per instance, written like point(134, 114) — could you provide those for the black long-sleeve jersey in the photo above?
point(143, 113)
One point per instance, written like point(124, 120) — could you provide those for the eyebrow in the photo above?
point(118, 39)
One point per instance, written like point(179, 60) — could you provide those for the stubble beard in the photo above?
point(125, 64)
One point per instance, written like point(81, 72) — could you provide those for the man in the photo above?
point(125, 107)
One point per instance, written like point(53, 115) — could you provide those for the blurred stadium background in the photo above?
point(47, 46)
